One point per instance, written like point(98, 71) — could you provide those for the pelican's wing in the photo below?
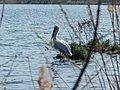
point(63, 47)
point(65, 43)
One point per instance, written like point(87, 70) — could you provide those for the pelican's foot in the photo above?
point(59, 56)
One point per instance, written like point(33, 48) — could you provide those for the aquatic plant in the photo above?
point(96, 44)
point(114, 49)
point(106, 43)
point(105, 46)
point(79, 51)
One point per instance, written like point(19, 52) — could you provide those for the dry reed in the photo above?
point(44, 83)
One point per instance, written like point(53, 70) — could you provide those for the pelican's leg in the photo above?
point(60, 53)
point(63, 59)
point(59, 56)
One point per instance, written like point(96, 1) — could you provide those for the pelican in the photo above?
point(59, 44)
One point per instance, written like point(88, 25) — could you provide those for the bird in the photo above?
point(60, 44)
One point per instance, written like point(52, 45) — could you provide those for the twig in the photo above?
point(3, 7)
point(11, 68)
point(31, 73)
point(90, 52)
point(66, 17)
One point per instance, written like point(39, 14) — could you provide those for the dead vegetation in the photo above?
point(44, 83)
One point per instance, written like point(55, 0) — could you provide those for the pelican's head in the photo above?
point(56, 29)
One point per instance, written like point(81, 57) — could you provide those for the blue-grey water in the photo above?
point(23, 53)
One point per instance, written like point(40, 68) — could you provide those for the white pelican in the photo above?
point(59, 44)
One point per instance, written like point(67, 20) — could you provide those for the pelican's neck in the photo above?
point(54, 34)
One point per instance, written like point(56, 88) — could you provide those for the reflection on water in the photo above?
point(18, 42)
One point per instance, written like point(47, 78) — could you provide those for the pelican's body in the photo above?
point(59, 44)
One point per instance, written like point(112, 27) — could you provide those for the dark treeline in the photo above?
point(54, 1)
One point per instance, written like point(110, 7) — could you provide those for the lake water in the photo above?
point(23, 53)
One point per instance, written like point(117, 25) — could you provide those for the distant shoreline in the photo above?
point(60, 4)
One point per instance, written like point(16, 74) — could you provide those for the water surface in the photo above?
point(23, 52)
